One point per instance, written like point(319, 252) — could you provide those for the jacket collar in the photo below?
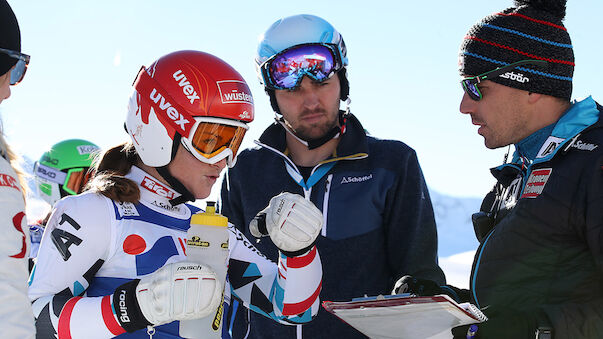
point(157, 195)
point(581, 116)
point(352, 144)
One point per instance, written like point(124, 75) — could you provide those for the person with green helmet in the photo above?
point(61, 171)
point(64, 169)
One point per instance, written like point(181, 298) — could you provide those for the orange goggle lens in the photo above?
point(211, 139)
point(76, 180)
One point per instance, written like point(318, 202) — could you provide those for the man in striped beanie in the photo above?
point(538, 272)
point(539, 269)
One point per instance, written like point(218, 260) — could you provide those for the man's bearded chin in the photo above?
point(317, 130)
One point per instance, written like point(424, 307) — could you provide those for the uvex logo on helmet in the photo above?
point(234, 91)
point(179, 120)
point(186, 86)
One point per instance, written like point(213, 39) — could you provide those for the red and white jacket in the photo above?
point(92, 244)
point(16, 317)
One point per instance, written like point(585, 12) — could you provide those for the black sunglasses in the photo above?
point(18, 72)
point(470, 83)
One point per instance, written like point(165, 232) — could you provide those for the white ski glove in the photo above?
point(292, 222)
point(178, 291)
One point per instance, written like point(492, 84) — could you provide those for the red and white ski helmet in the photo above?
point(190, 96)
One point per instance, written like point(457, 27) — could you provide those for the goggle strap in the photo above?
point(144, 85)
point(50, 174)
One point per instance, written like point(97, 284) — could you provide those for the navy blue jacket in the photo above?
point(545, 253)
point(379, 222)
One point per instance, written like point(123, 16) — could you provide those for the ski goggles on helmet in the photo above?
point(18, 71)
point(286, 69)
point(213, 139)
point(72, 181)
point(469, 84)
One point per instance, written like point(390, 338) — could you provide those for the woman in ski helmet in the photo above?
point(111, 258)
point(15, 315)
point(64, 169)
point(61, 171)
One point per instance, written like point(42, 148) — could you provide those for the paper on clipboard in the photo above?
point(405, 316)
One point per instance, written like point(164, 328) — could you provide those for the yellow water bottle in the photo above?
point(207, 243)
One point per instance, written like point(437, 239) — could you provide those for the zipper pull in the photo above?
point(150, 331)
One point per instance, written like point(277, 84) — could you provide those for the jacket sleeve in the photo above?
point(585, 320)
point(410, 225)
point(75, 244)
point(287, 292)
point(15, 314)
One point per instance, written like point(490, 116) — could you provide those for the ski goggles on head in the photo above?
point(469, 84)
point(213, 139)
point(18, 71)
point(286, 69)
point(73, 181)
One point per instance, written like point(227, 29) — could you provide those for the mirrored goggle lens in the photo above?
point(471, 89)
point(287, 69)
point(18, 72)
point(76, 179)
point(211, 139)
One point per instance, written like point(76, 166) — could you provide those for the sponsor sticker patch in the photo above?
point(157, 188)
point(549, 147)
point(127, 209)
point(86, 149)
point(536, 181)
point(234, 91)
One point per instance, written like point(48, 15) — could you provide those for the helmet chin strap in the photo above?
point(334, 133)
point(164, 171)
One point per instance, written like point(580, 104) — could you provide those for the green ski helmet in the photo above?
point(63, 170)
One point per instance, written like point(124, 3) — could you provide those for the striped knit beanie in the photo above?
point(533, 29)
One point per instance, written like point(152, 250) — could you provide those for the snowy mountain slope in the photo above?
point(453, 219)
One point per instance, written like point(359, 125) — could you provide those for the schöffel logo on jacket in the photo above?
point(347, 180)
point(584, 146)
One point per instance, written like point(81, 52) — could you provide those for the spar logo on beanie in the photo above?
point(532, 30)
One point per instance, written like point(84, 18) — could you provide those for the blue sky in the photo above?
point(403, 59)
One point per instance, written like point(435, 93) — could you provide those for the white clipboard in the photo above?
point(405, 316)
